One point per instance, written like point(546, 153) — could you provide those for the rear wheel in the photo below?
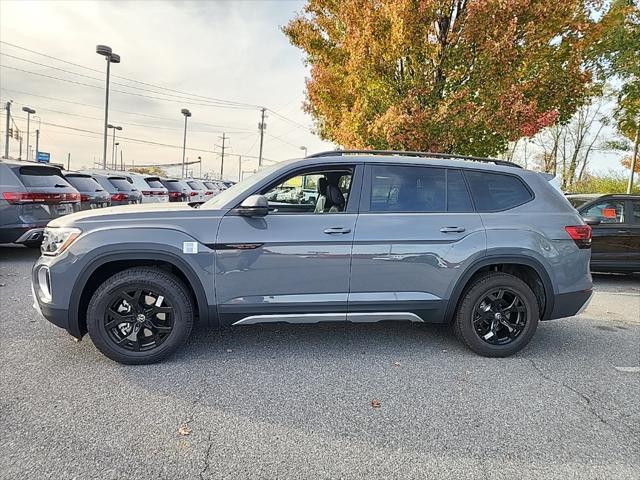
point(497, 316)
point(140, 316)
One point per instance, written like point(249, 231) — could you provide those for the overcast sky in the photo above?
point(230, 50)
point(227, 50)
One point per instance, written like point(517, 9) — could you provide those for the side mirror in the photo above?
point(591, 220)
point(254, 206)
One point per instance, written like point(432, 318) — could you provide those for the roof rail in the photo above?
point(496, 161)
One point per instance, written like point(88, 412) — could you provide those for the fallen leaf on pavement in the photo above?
point(397, 364)
point(375, 403)
point(184, 430)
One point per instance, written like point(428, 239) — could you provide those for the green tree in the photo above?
point(464, 76)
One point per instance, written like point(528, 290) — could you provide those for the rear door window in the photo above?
point(494, 192)
point(407, 189)
point(636, 211)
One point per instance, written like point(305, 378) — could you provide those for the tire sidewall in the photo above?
point(156, 281)
point(481, 288)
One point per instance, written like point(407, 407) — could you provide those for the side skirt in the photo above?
point(357, 317)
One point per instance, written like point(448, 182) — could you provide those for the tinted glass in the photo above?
point(121, 183)
point(495, 191)
point(41, 177)
point(194, 185)
point(407, 189)
point(174, 185)
point(577, 201)
point(84, 184)
point(154, 183)
point(458, 198)
point(607, 211)
point(636, 211)
point(210, 185)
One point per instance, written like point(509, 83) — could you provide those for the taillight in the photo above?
point(175, 194)
point(193, 194)
point(85, 198)
point(118, 197)
point(581, 234)
point(147, 192)
point(34, 197)
point(208, 193)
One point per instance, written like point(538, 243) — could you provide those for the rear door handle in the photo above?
point(623, 231)
point(334, 230)
point(452, 229)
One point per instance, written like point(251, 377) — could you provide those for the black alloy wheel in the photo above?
point(500, 316)
point(138, 320)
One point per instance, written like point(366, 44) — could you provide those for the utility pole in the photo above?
point(634, 159)
point(239, 167)
point(121, 161)
point(223, 147)
point(6, 131)
point(37, 143)
point(68, 161)
point(20, 151)
point(261, 127)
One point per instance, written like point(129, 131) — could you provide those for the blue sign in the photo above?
point(43, 157)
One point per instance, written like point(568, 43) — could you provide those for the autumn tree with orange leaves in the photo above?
point(463, 76)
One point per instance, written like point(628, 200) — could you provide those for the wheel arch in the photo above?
point(504, 263)
point(108, 264)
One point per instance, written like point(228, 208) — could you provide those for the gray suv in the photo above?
point(478, 243)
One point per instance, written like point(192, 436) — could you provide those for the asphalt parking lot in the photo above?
point(284, 401)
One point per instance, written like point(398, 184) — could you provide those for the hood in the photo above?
point(132, 215)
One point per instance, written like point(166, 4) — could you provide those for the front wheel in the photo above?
point(140, 316)
point(497, 316)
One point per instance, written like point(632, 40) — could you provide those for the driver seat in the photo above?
point(322, 195)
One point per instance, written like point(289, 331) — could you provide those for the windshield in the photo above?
point(241, 188)
point(578, 201)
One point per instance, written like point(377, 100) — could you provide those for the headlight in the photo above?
point(57, 240)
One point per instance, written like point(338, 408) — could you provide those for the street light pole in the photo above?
point(305, 150)
point(110, 58)
point(6, 131)
point(634, 159)
point(114, 158)
point(186, 114)
point(261, 126)
point(29, 111)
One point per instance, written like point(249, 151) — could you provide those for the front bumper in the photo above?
point(44, 306)
point(570, 304)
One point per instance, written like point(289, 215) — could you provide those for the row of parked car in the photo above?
point(33, 194)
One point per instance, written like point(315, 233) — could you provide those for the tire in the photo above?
point(125, 337)
point(477, 313)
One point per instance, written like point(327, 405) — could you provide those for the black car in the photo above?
point(122, 190)
point(615, 221)
point(31, 195)
point(92, 194)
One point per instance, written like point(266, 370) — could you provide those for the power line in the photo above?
point(101, 107)
point(130, 79)
point(122, 91)
point(186, 98)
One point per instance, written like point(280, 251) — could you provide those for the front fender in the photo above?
point(99, 247)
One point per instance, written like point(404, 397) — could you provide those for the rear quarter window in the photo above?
point(494, 192)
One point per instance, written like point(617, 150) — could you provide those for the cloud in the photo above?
point(227, 50)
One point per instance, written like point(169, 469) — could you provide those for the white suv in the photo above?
point(152, 190)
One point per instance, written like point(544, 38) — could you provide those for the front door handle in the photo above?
point(334, 230)
point(452, 229)
point(623, 231)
